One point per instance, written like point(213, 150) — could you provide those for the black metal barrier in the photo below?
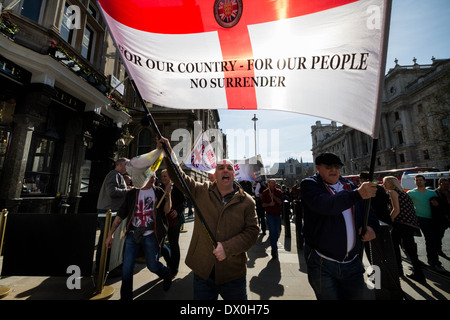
point(286, 217)
point(37, 244)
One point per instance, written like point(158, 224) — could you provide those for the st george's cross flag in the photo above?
point(323, 58)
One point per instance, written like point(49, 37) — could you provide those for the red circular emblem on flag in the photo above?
point(227, 12)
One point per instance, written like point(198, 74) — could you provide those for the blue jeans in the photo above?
point(208, 290)
point(274, 224)
point(333, 280)
point(151, 252)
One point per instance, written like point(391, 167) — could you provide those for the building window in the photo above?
point(400, 137)
point(402, 157)
point(444, 124)
point(88, 41)
point(424, 132)
point(397, 116)
point(85, 175)
point(144, 142)
point(39, 176)
point(92, 11)
point(31, 9)
point(5, 136)
point(67, 25)
point(426, 155)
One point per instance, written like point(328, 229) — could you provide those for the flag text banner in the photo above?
point(322, 58)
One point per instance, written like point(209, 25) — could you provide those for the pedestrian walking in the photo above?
point(261, 212)
point(112, 193)
point(404, 226)
point(271, 200)
point(440, 209)
point(175, 221)
point(421, 197)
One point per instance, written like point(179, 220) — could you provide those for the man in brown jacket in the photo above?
point(230, 214)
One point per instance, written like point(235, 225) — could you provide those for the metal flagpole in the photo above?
point(4, 291)
point(387, 269)
point(102, 292)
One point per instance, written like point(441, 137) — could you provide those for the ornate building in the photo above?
point(57, 66)
point(67, 110)
point(291, 171)
point(414, 123)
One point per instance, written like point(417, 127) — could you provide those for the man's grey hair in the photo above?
point(121, 160)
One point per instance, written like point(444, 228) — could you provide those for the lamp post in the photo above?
point(254, 120)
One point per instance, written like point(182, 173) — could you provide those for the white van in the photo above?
point(432, 179)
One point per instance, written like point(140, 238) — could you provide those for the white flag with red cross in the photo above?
point(323, 58)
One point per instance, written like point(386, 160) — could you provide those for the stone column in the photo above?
point(81, 142)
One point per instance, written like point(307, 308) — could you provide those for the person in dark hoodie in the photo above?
point(333, 218)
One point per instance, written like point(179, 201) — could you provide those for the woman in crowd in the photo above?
point(404, 225)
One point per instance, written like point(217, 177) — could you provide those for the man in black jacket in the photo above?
point(333, 220)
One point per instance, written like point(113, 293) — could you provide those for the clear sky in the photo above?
point(419, 29)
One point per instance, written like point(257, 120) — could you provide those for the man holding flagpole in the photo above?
point(333, 220)
point(230, 214)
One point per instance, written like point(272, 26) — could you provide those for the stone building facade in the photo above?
point(414, 123)
point(291, 171)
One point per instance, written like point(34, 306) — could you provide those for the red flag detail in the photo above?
point(188, 16)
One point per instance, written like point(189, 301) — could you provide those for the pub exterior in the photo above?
point(61, 105)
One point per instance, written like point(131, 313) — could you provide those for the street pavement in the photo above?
point(267, 279)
